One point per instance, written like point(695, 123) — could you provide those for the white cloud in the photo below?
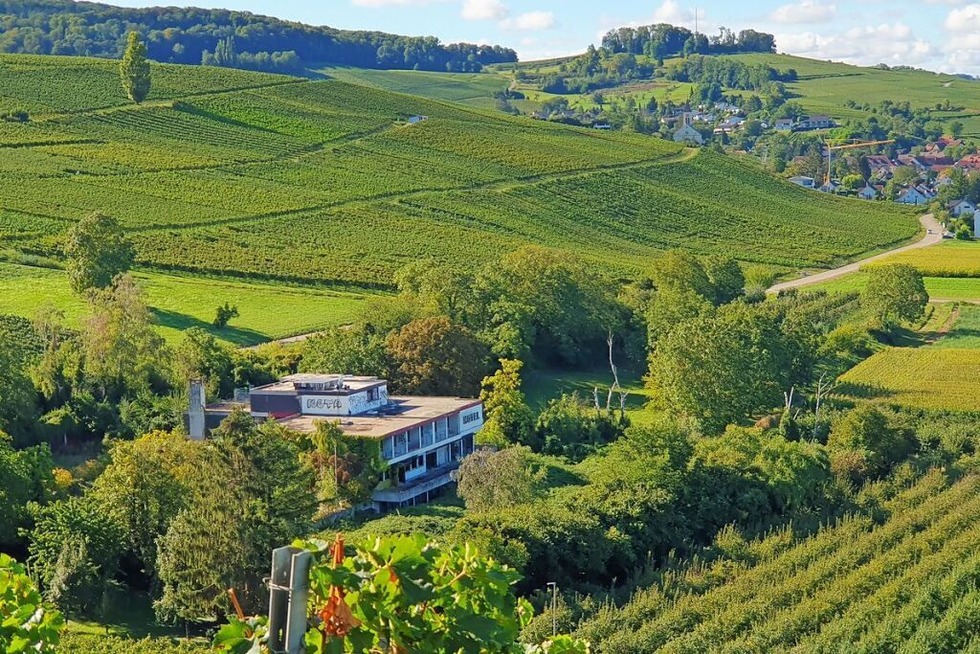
point(530, 21)
point(962, 43)
point(671, 12)
point(808, 11)
point(886, 43)
point(965, 20)
point(484, 10)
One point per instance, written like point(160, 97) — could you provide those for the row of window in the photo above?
point(420, 437)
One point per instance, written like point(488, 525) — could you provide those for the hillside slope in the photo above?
point(238, 173)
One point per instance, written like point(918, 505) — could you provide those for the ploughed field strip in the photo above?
point(909, 584)
point(324, 181)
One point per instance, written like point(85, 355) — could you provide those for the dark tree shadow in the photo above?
point(232, 334)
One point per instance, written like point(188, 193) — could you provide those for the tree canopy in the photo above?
point(895, 293)
point(134, 69)
point(192, 36)
point(96, 251)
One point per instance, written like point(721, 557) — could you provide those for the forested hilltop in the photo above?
point(221, 37)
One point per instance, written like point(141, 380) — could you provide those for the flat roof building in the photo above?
point(422, 438)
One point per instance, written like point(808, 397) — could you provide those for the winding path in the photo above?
point(934, 234)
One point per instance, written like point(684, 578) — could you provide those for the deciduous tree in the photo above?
point(147, 483)
point(508, 417)
point(96, 251)
point(122, 351)
point(895, 293)
point(433, 356)
point(495, 479)
point(721, 368)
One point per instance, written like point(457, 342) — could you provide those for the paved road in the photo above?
point(931, 224)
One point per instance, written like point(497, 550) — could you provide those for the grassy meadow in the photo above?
point(180, 302)
point(325, 181)
point(940, 374)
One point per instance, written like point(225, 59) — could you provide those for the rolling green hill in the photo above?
point(824, 87)
point(821, 87)
point(234, 173)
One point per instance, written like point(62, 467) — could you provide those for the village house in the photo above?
point(830, 186)
point(881, 166)
point(783, 125)
point(422, 439)
point(916, 195)
point(969, 164)
point(869, 192)
point(805, 182)
point(729, 125)
point(962, 207)
point(687, 134)
point(817, 121)
point(943, 142)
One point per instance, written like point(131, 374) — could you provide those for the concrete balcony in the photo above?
point(430, 481)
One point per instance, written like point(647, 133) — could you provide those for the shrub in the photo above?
point(223, 314)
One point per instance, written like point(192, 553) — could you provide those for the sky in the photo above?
point(942, 35)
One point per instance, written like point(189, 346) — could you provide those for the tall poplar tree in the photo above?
point(134, 69)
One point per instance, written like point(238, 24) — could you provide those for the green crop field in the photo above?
point(908, 584)
point(941, 375)
point(952, 258)
point(179, 303)
point(939, 288)
point(324, 181)
point(474, 89)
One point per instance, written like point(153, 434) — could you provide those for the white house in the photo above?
point(818, 121)
point(413, 120)
point(959, 208)
point(688, 134)
point(805, 182)
point(915, 195)
point(869, 192)
point(783, 124)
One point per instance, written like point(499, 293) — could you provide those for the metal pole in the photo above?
point(554, 608)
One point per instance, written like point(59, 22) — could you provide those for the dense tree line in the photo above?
point(191, 35)
point(728, 73)
point(663, 40)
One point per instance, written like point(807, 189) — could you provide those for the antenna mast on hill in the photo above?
point(695, 21)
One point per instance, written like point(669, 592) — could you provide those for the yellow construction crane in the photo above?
point(848, 146)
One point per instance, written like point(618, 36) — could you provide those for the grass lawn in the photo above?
point(965, 334)
point(267, 311)
point(940, 375)
point(543, 385)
